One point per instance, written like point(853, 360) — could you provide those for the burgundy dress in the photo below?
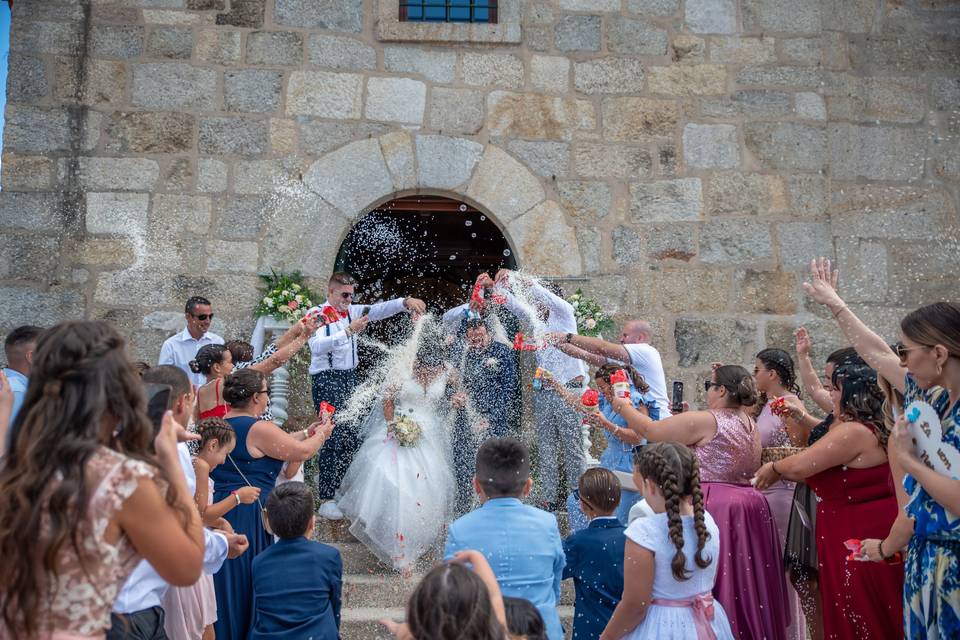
point(858, 599)
point(750, 583)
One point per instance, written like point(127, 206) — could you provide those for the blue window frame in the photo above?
point(448, 10)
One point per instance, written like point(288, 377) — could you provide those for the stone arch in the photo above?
point(361, 175)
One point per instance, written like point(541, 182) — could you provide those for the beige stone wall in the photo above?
point(685, 157)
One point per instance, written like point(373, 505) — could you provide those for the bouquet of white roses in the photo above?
point(285, 297)
point(404, 430)
point(591, 320)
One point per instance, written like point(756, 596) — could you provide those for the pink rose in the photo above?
point(293, 304)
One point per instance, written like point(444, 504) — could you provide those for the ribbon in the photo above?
point(703, 612)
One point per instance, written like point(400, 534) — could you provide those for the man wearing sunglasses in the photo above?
point(333, 366)
point(180, 349)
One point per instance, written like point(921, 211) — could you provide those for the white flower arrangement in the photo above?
point(591, 320)
point(404, 430)
point(285, 298)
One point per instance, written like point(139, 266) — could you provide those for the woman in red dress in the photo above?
point(848, 471)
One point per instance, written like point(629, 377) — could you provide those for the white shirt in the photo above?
point(332, 348)
point(562, 320)
point(145, 588)
point(646, 359)
point(181, 348)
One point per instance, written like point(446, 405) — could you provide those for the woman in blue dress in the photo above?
point(261, 449)
point(618, 455)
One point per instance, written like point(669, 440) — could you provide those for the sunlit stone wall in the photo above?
point(683, 159)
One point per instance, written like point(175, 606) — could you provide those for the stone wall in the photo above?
point(685, 158)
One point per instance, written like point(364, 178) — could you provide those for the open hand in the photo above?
point(503, 277)
point(309, 325)
point(793, 407)
point(415, 305)
point(803, 342)
point(823, 284)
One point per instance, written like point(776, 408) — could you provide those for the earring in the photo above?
point(939, 369)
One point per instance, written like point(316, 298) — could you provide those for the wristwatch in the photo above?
point(569, 338)
point(306, 434)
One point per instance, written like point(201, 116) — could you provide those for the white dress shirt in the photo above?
point(181, 348)
point(145, 588)
point(646, 359)
point(563, 320)
point(332, 348)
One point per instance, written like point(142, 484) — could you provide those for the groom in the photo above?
point(333, 365)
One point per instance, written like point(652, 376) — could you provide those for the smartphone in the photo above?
point(366, 310)
point(676, 404)
point(159, 401)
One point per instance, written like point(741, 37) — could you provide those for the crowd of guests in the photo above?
point(753, 518)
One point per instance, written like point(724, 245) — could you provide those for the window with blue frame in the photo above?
point(448, 11)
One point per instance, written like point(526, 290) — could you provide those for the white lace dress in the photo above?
point(399, 498)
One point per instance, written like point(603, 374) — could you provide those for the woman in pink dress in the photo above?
point(750, 582)
point(775, 377)
point(83, 498)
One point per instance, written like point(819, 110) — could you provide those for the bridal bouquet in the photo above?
point(404, 430)
point(591, 320)
point(285, 298)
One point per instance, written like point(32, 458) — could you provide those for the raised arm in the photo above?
point(581, 354)
point(288, 349)
point(690, 428)
point(871, 347)
point(272, 441)
point(808, 373)
point(596, 346)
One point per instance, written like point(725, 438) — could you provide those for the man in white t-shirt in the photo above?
point(634, 348)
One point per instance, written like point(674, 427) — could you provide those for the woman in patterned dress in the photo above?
point(931, 353)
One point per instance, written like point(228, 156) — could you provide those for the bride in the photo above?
point(398, 492)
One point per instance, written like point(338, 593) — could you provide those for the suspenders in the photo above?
point(353, 347)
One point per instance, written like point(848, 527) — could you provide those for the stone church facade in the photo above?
point(680, 160)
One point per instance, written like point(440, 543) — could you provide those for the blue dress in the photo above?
point(931, 587)
point(618, 456)
point(234, 582)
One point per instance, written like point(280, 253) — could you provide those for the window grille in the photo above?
point(483, 11)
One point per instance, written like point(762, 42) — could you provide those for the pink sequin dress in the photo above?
point(750, 582)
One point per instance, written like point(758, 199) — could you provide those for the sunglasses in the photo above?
point(202, 317)
point(710, 383)
point(346, 295)
point(266, 391)
point(903, 350)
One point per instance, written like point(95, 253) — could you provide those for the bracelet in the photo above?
point(773, 465)
point(836, 314)
point(235, 495)
point(306, 434)
point(882, 554)
point(569, 338)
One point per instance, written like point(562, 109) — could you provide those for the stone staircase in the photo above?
point(372, 590)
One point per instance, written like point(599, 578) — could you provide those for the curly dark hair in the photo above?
point(452, 603)
point(240, 386)
point(861, 399)
point(673, 467)
point(207, 356)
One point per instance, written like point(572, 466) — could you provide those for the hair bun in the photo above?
point(747, 393)
point(194, 366)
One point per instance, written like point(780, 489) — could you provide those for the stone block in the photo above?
point(444, 162)
point(27, 78)
point(260, 176)
point(104, 82)
point(601, 160)
point(211, 175)
point(636, 119)
point(173, 86)
point(946, 93)
point(538, 38)
point(870, 100)
point(283, 136)
point(729, 49)
point(175, 215)
point(243, 13)
point(780, 76)
point(918, 275)
point(786, 16)
point(529, 115)
point(710, 146)
point(627, 246)
point(504, 186)
point(636, 37)
point(100, 252)
point(668, 158)
point(243, 217)
point(688, 49)
point(811, 106)
point(25, 305)
point(904, 54)
point(787, 145)
point(34, 129)
point(117, 213)
point(333, 15)
point(252, 90)
point(807, 195)
point(711, 16)
point(232, 135)
point(578, 33)
point(324, 94)
point(492, 69)
point(45, 10)
point(546, 242)
point(676, 241)
point(550, 73)
point(176, 175)
point(170, 17)
point(317, 138)
point(590, 5)
point(586, 202)
point(218, 46)
point(801, 51)
point(352, 177)
point(545, 158)
point(398, 153)
point(835, 51)
point(116, 41)
point(865, 267)
point(456, 110)
point(396, 100)
point(753, 194)
point(686, 290)
point(175, 43)
point(115, 174)
point(753, 103)
point(539, 13)
point(946, 160)
point(336, 52)
point(688, 80)
point(150, 132)
point(41, 36)
point(653, 7)
point(27, 173)
point(701, 341)
point(666, 200)
point(876, 153)
point(591, 249)
point(608, 75)
point(435, 66)
point(800, 242)
point(890, 212)
point(280, 48)
point(729, 241)
point(31, 211)
point(287, 247)
point(232, 256)
point(770, 292)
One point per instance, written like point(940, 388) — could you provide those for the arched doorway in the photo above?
point(430, 247)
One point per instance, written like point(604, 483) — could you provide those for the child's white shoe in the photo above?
point(330, 511)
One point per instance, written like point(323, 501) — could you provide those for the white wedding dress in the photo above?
point(399, 499)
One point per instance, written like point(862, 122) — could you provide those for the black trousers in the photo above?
point(146, 624)
point(336, 454)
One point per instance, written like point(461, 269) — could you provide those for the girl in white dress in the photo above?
point(670, 557)
point(399, 495)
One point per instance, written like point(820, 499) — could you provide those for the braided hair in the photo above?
point(218, 429)
point(207, 356)
point(674, 468)
point(780, 362)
